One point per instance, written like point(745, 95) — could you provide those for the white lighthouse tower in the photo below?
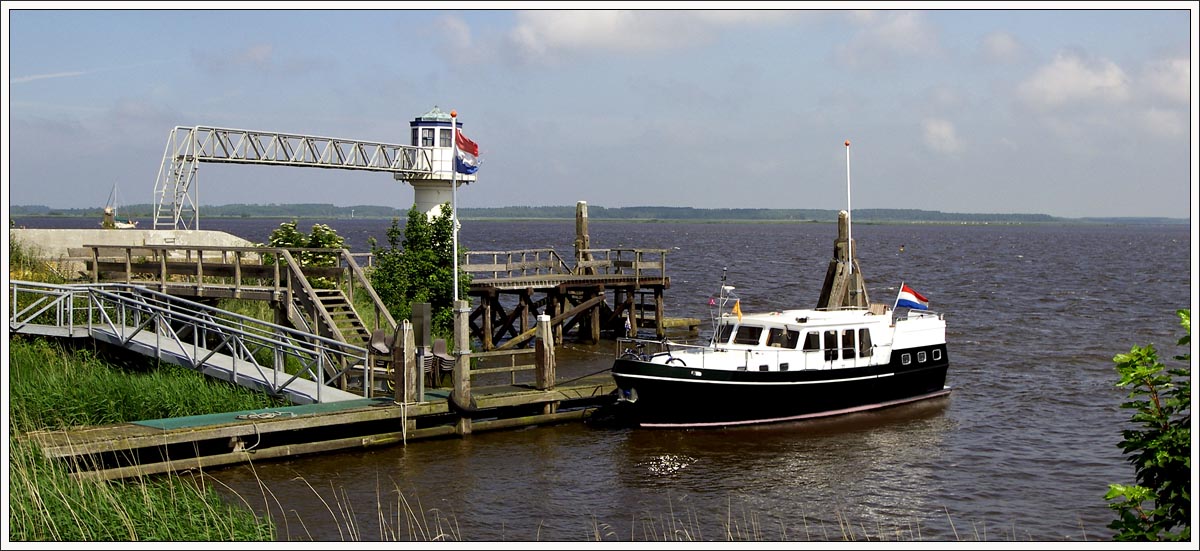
point(432, 131)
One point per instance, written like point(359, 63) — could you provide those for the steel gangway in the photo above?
point(299, 366)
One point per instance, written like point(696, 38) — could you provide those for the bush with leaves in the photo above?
point(1158, 507)
point(287, 236)
point(418, 266)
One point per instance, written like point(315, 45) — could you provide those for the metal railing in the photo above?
point(278, 355)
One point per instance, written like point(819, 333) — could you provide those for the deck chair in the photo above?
point(443, 361)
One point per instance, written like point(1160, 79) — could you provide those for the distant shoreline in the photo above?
point(306, 211)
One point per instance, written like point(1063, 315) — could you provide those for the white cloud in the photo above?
point(548, 35)
point(1069, 79)
point(1168, 78)
point(1000, 47)
point(31, 78)
point(257, 56)
point(884, 36)
point(1167, 123)
point(940, 136)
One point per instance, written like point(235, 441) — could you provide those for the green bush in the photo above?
point(419, 267)
point(1158, 507)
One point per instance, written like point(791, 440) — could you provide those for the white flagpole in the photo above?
point(454, 196)
point(897, 303)
point(849, 224)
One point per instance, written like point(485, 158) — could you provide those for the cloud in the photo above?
point(1000, 47)
point(31, 78)
point(1167, 123)
point(1070, 79)
point(1168, 78)
point(255, 57)
point(551, 35)
point(940, 136)
point(885, 36)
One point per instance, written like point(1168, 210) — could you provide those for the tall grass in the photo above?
point(54, 387)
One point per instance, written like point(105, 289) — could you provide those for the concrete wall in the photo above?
point(57, 244)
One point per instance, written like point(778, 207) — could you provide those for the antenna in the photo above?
point(849, 218)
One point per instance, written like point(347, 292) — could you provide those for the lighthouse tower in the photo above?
point(433, 132)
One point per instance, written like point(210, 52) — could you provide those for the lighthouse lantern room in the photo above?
point(433, 131)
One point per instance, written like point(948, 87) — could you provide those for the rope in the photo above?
point(264, 415)
point(582, 376)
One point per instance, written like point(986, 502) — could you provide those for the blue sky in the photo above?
point(1066, 112)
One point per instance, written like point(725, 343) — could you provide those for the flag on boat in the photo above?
point(467, 159)
point(737, 309)
point(910, 298)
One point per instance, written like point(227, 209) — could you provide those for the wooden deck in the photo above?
point(183, 443)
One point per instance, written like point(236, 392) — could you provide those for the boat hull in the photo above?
point(672, 396)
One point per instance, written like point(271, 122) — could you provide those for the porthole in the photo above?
point(921, 357)
point(937, 354)
point(905, 359)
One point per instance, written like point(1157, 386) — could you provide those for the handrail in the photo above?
point(112, 307)
point(380, 307)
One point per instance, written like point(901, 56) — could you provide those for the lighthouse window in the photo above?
point(427, 137)
point(414, 137)
point(747, 334)
point(812, 341)
point(444, 134)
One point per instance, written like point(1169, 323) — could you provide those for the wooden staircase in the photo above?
point(345, 317)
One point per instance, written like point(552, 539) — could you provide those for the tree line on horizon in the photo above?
point(595, 212)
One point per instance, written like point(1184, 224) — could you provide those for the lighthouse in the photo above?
point(433, 132)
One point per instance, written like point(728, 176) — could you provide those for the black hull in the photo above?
point(668, 396)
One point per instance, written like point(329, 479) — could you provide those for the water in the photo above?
point(1023, 449)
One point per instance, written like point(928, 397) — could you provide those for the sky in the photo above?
point(955, 107)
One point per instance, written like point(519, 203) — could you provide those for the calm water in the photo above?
point(1024, 448)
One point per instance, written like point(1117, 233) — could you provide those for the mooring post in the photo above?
point(404, 364)
point(544, 354)
point(582, 241)
point(462, 362)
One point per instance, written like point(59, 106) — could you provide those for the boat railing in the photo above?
point(753, 357)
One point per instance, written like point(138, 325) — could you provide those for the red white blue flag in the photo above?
point(910, 298)
point(467, 160)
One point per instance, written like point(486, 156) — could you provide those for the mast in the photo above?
point(849, 234)
point(454, 197)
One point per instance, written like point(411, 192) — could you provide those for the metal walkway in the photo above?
point(299, 366)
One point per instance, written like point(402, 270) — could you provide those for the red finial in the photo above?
point(847, 141)
point(454, 113)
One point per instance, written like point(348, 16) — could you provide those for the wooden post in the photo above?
point(462, 363)
point(582, 241)
point(404, 364)
point(545, 354)
point(658, 313)
point(594, 318)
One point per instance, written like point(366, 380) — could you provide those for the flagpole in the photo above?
point(897, 302)
point(849, 225)
point(454, 196)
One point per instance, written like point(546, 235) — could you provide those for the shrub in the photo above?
point(1158, 507)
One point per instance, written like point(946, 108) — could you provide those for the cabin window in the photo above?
point(724, 333)
point(831, 345)
point(741, 368)
point(747, 334)
point(783, 338)
point(414, 137)
point(848, 344)
point(444, 134)
point(921, 357)
point(905, 359)
point(865, 348)
point(812, 341)
point(427, 137)
point(783, 366)
point(937, 354)
point(762, 367)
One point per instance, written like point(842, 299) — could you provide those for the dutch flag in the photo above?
point(467, 159)
point(911, 299)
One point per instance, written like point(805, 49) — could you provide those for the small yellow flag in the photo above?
point(737, 309)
